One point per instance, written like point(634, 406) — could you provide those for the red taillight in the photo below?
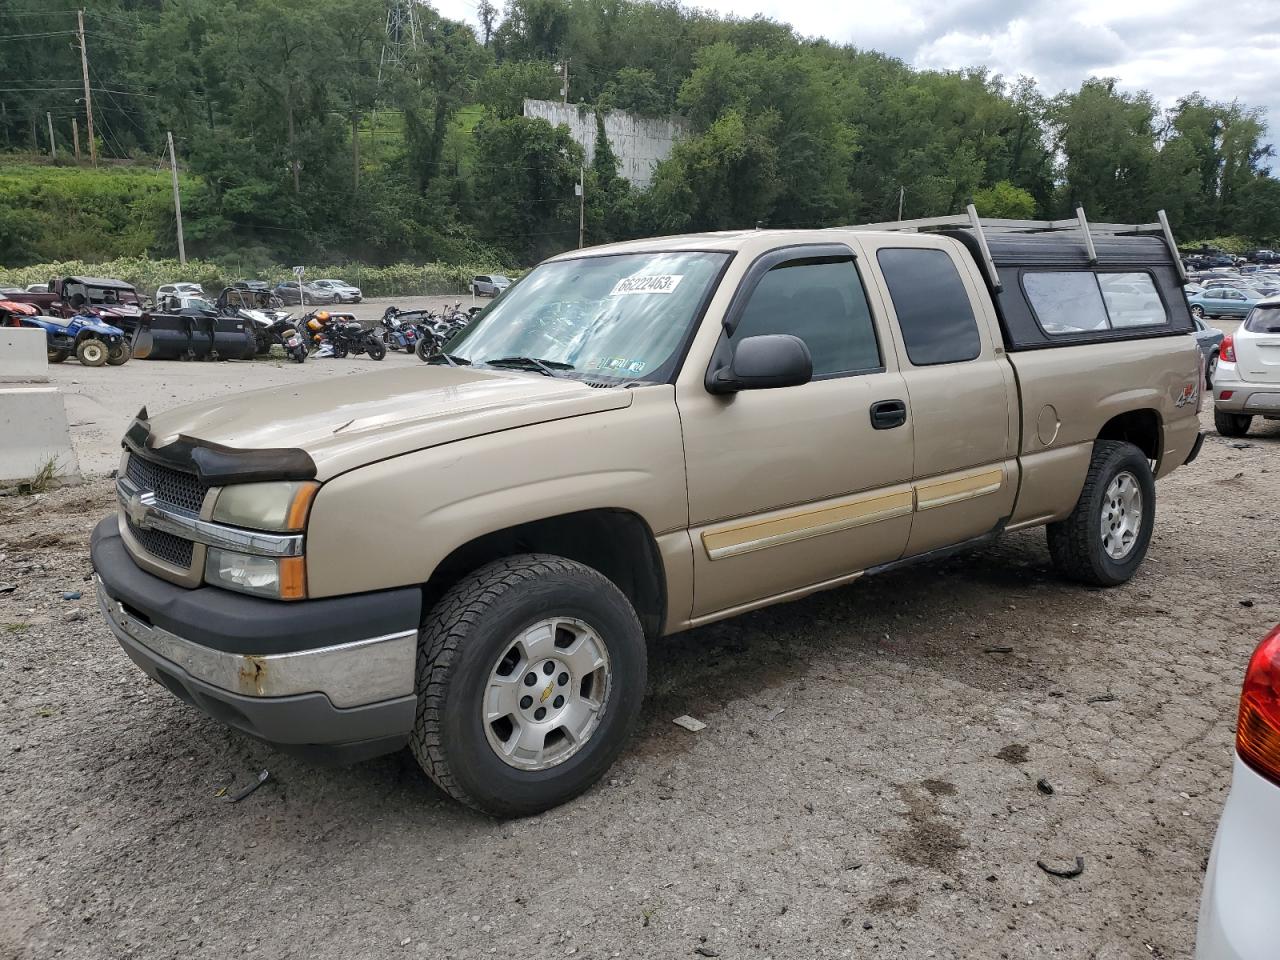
point(1258, 729)
point(1227, 352)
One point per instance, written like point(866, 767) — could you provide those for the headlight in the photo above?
point(275, 505)
point(281, 579)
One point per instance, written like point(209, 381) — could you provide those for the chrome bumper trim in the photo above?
point(142, 510)
point(349, 674)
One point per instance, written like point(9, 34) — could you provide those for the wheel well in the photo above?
point(1139, 427)
point(617, 543)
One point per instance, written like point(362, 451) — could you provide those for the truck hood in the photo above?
point(346, 422)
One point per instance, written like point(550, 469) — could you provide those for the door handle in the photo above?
point(887, 414)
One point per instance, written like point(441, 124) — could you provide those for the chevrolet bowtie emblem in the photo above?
point(139, 505)
point(546, 693)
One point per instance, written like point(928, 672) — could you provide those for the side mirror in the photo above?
point(763, 363)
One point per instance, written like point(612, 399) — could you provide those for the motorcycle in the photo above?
point(284, 331)
point(341, 333)
point(397, 334)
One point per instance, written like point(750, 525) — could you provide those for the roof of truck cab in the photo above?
point(723, 240)
point(100, 282)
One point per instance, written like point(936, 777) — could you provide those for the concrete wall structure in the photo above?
point(639, 143)
point(33, 418)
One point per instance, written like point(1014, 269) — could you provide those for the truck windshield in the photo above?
point(621, 317)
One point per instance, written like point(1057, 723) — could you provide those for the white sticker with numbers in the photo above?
point(651, 283)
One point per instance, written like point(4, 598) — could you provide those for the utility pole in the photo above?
point(355, 151)
point(75, 137)
point(564, 80)
point(88, 99)
point(582, 204)
point(53, 147)
point(902, 195)
point(177, 201)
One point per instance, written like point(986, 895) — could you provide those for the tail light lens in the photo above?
point(1227, 352)
point(1258, 729)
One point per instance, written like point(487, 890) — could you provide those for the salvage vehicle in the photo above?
point(1246, 382)
point(1210, 341)
point(635, 440)
point(113, 301)
point(1238, 920)
point(1223, 301)
point(343, 291)
point(93, 342)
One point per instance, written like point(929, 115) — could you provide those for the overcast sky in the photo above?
point(1227, 50)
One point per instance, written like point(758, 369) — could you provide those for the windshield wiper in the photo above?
point(450, 359)
point(545, 367)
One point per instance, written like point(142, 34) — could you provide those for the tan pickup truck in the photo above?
point(469, 556)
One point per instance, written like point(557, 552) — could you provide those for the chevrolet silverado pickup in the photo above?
point(470, 556)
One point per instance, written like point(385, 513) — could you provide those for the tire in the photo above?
point(1231, 424)
point(424, 349)
point(377, 349)
point(91, 353)
point(471, 635)
point(408, 348)
point(1210, 369)
point(1077, 544)
point(339, 350)
point(119, 355)
point(58, 356)
point(1197, 311)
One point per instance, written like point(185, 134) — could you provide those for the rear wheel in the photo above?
point(118, 355)
point(1232, 424)
point(1197, 311)
point(531, 671)
point(1105, 538)
point(1210, 369)
point(91, 353)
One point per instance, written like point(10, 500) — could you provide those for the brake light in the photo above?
point(1227, 352)
point(1258, 729)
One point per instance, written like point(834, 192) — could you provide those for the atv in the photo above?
point(93, 342)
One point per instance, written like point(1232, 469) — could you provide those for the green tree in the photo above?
point(1004, 201)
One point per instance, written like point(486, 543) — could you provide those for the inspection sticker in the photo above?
point(650, 283)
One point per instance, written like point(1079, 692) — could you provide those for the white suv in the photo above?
point(1238, 917)
point(1247, 381)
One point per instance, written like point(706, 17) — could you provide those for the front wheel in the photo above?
point(1197, 311)
point(1210, 369)
point(425, 349)
point(118, 355)
point(1105, 538)
point(1232, 424)
point(58, 356)
point(377, 349)
point(531, 671)
point(91, 353)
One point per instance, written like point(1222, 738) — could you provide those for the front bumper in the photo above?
point(330, 679)
point(1238, 919)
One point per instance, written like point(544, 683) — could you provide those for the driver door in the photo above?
point(802, 486)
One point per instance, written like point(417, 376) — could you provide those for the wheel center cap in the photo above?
point(546, 694)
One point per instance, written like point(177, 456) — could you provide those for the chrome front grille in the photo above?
point(173, 488)
point(163, 546)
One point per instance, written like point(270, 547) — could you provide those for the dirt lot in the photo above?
point(866, 785)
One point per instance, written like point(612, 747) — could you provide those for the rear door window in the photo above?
point(932, 304)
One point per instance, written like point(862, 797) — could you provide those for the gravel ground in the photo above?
point(866, 785)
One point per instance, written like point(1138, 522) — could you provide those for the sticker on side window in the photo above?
point(652, 283)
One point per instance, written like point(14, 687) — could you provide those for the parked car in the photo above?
point(1238, 919)
point(488, 284)
point(712, 459)
point(1247, 381)
point(288, 293)
point(181, 289)
point(1210, 341)
point(1221, 301)
point(346, 293)
point(38, 288)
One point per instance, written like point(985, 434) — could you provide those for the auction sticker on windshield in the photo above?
point(652, 283)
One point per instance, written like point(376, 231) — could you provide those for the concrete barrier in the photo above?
point(33, 418)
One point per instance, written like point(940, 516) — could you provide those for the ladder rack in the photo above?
point(1079, 223)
